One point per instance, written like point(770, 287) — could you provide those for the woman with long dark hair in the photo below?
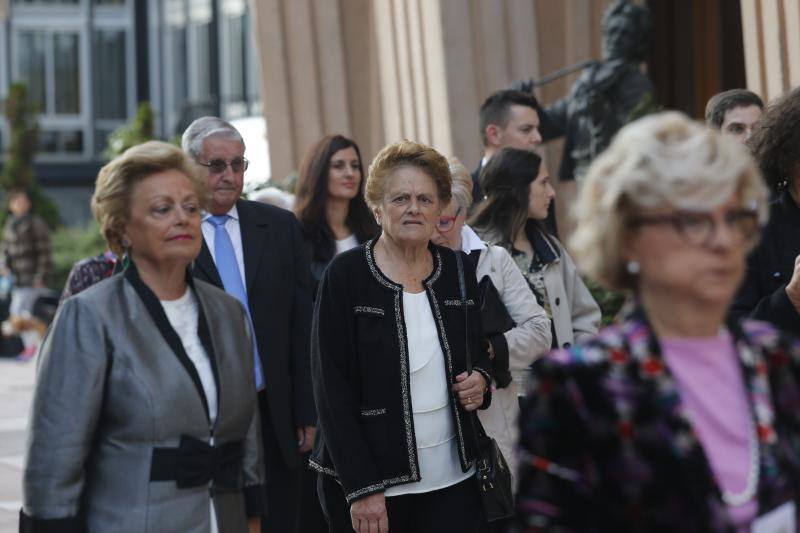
point(330, 202)
point(518, 194)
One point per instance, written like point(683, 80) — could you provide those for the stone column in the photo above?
point(771, 30)
point(315, 74)
point(384, 70)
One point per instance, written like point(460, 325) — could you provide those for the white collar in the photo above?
point(233, 213)
point(470, 240)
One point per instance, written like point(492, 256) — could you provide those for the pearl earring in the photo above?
point(632, 267)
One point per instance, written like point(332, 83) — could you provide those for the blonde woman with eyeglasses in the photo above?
point(674, 418)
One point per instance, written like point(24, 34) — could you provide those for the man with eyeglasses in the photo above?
point(255, 253)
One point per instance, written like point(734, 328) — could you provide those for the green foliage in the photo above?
point(137, 132)
point(24, 130)
point(646, 106)
point(70, 245)
point(18, 170)
point(610, 302)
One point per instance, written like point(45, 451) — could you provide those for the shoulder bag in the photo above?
point(494, 477)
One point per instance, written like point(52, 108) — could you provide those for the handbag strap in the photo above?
point(462, 287)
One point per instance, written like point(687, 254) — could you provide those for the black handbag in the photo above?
point(496, 321)
point(494, 477)
point(493, 311)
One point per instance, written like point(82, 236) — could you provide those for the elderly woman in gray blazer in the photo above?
point(145, 415)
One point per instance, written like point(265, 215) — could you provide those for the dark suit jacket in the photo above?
point(769, 269)
point(278, 282)
point(477, 192)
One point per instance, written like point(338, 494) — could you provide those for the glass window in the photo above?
point(110, 80)
point(46, 2)
point(101, 139)
point(31, 65)
point(67, 78)
point(109, 2)
point(176, 61)
point(61, 141)
point(200, 16)
point(235, 48)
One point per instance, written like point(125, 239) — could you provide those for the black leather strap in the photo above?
point(462, 287)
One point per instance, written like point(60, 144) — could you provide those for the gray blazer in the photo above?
point(113, 386)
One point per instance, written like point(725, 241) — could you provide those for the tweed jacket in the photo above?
point(606, 444)
point(25, 250)
point(360, 369)
point(116, 396)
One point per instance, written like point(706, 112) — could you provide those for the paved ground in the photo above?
point(16, 391)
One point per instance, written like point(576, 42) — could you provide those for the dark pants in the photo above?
point(282, 482)
point(454, 508)
point(311, 519)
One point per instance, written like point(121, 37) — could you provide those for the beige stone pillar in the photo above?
point(383, 70)
point(771, 30)
point(316, 74)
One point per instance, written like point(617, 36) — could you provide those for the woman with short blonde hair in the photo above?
point(144, 416)
point(112, 194)
point(674, 418)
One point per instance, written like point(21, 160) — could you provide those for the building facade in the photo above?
point(89, 63)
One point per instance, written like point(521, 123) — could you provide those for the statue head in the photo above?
point(626, 31)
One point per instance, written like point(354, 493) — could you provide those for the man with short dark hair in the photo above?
point(734, 112)
point(508, 118)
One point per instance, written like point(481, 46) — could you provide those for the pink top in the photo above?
point(710, 382)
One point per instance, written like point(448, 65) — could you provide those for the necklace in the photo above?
point(734, 499)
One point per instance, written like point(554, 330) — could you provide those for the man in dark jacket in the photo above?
point(507, 119)
point(255, 252)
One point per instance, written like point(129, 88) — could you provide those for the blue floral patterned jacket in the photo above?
point(607, 446)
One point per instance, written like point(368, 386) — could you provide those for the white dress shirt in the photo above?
point(235, 233)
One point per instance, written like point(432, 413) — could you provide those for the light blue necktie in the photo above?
point(228, 270)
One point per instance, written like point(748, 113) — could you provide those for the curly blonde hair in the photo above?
point(116, 180)
point(661, 160)
point(407, 154)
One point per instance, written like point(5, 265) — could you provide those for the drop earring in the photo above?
point(126, 256)
point(632, 267)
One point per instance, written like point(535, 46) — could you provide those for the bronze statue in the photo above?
point(604, 96)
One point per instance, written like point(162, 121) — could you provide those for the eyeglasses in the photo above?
point(218, 166)
point(698, 229)
point(445, 224)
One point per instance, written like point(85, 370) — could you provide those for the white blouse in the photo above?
point(434, 428)
point(183, 315)
point(342, 245)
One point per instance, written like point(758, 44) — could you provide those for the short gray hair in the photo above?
point(203, 128)
point(462, 183)
point(660, 160)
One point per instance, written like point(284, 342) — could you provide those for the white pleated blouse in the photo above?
point(430, 399)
